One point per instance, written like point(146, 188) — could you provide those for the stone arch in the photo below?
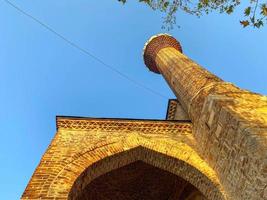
point(157, 159)
point(179, 159)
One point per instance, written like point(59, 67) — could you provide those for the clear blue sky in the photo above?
point(42, 76)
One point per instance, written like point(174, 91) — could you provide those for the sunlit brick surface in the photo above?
point(222, 153)
point(84, 149)
point(229, 124)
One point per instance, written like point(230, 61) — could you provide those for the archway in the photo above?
point(141, 158)
point(139, 180)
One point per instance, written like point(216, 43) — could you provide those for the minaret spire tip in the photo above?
point(154, 45)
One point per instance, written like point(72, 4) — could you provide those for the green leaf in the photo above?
point(230, 9)
point(199, 5)
point(258, 24)
point(247, 11)
point(166, 4)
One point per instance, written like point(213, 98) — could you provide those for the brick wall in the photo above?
point(229, 124)
point(84, 149)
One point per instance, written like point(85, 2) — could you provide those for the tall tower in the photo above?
point(229, 124)
point(212, 145)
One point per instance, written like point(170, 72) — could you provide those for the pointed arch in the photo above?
point(164, 152)
point(178, 167)
point(180, 160)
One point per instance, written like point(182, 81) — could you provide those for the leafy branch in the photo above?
point(255, 14)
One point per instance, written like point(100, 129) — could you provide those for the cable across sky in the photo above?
point(71, 43)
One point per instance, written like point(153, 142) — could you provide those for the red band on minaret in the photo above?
point(154, 45)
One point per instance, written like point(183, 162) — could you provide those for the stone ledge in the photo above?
point(78, 123)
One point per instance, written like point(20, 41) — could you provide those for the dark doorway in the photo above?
point(139, 181)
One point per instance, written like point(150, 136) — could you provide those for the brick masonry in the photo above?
point(84, 149)
point(221, 151)
point(229, 124)
point(175, 111)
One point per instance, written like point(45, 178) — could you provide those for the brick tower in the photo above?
point(212, 145)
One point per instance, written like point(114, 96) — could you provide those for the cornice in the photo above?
point(122, 125)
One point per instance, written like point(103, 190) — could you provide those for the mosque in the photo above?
point(211, 146)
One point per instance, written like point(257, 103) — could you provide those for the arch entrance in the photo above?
point(139, 180)
point(144, 173)
point(124, 159)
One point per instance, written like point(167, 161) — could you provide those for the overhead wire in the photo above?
point(71, 43)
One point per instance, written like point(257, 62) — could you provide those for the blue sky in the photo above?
point(42, 76)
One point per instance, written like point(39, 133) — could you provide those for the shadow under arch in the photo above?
point(192, 174)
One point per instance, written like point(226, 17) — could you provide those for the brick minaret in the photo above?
point(163, 54)
point(229, 124)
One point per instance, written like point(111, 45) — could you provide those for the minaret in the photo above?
point(229, 124)
point(163, 55)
